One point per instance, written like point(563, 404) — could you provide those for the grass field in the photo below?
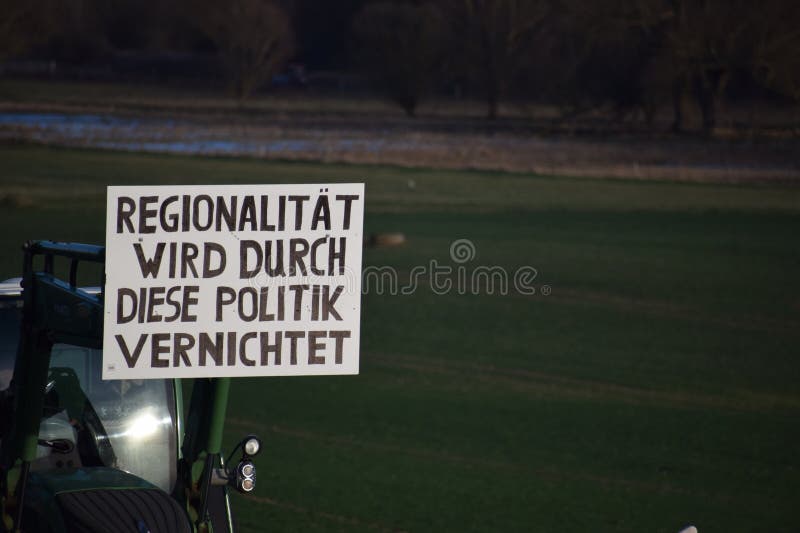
point(657, 385)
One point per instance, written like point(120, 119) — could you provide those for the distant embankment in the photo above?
point(669, 158)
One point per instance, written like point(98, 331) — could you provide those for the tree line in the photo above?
point(631, 56)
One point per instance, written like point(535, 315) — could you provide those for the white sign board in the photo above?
point(246, 280)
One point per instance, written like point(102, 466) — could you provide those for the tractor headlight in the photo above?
point(245, 476)
point(251, 446)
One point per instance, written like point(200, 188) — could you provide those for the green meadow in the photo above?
point(651, 381)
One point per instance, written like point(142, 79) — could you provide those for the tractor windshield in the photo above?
point(125, 424)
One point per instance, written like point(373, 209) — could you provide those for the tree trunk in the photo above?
point(708, 106)
point(492, 102)
point(708, 89)
point(409, 105)
point(678, 89)
point(491, 75)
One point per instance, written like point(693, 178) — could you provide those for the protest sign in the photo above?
point(214, 281)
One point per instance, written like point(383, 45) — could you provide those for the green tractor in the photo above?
point(79, 454)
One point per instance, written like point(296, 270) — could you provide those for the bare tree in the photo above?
point(711, 40)
point(23, 24)
point(707, 41)
point(13, 37)
point(595, 54)
point(775, 34)
point(689, 48)
point(400, 45)
point(254, 38)
point(495, 38)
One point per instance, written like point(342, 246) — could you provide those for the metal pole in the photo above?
point(219, 404)
point(216, 425)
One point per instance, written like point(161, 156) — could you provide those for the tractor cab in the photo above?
point(78, 453)
point(130, 425)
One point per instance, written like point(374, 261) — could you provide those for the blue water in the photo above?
point(50, 120)
point(158, 135)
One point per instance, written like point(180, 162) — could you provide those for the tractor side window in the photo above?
point(125, 424)
point(10, 318)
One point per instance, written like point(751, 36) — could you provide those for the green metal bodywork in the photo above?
point(55, 311)
point(86, 479)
